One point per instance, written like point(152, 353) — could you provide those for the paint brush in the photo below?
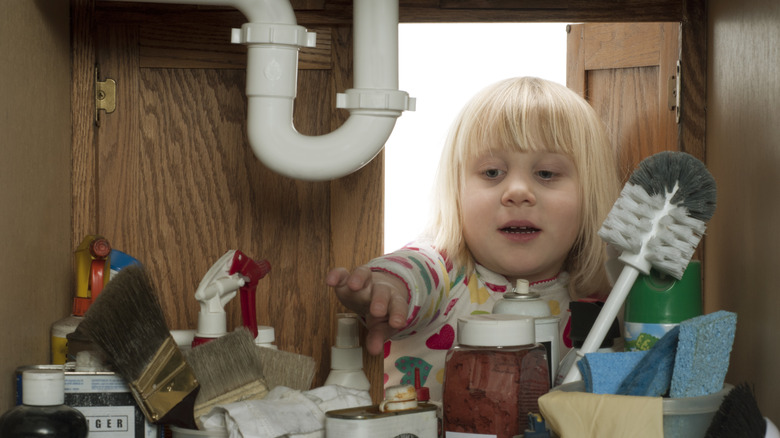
point(286, 368)
point(229, 369)
point(127, 324)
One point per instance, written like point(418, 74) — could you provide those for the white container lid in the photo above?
point(45, 387)
point(496, 330)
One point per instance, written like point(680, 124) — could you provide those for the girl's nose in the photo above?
point(518, 191)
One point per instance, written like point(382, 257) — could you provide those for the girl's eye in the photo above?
point(546, 174)
point(492, 173)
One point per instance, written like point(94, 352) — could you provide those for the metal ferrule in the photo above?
point(164, 383)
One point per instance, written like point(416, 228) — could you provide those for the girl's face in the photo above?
point(521, 212)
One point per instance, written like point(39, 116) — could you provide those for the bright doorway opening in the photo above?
point(442, 66)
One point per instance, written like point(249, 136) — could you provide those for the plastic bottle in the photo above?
point(346, 357)
point(93, 264)
point(658, 302)
point(43, 413)
point(494, 376)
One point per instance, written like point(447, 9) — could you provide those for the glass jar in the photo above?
point(494, 376)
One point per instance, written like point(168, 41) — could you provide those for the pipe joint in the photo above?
point(274, 33)
point(394, 101)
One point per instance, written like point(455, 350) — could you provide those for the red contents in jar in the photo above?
point(490, 390)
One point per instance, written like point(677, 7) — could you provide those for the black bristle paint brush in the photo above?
point(128, 325)
point(657, 222)
point(738, 416)
point(229, 369)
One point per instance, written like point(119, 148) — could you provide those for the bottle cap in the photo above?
point(347, 331)
point(399, 398)
point(659, 298)
point(44, 387)
point(265, 335)
point(423, 393)
point(496, 330)
point(346, 353)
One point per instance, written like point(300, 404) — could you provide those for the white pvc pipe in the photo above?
point(273, 40)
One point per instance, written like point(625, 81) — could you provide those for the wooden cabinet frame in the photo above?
point(348, 195)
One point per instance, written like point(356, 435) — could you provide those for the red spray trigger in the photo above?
point(253, 271)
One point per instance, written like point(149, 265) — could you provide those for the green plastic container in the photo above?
point(658, 302)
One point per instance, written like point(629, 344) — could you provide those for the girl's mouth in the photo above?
point(519, 230)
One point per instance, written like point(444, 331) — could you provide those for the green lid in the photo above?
point(662, 299)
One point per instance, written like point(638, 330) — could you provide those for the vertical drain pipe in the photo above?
point(273, 39)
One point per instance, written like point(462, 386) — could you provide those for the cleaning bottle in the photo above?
point(346, 357)
point(43, 413)
point(658, 302)
point(92, 260)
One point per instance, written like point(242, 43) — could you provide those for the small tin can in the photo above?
point(370, 421)
point(105, 400)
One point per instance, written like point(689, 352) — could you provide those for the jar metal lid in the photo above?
point(496, 330)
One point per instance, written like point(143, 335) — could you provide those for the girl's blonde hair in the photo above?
point(531, 114)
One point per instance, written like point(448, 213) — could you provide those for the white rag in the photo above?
point(284, 412)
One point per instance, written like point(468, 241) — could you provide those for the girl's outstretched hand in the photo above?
point(379, 297)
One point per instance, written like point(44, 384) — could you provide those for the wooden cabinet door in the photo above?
point(170, 178)
point(624, 70)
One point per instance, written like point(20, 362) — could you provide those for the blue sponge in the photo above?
point(703, 354)
point(652, 376)
point(603, 372)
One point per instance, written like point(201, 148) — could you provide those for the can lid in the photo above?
point(496, 330)
point(43, 387)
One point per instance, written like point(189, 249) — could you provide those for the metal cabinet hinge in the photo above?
point(105, 96)
point(674, 92)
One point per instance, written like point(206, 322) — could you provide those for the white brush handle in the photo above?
point(605, 319)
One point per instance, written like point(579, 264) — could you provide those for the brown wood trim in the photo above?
point(504, 4)
point(84, 156)
point(338, 12)
point(693, 54)
point(356, 208)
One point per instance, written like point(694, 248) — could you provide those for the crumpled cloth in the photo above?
point(585, 415)
point(284, 412)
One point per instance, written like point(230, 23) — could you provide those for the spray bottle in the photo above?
point(233, 272)
point(92, 260)
point(346, 357)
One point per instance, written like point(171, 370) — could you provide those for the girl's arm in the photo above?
point(379, 297)
point(397, 292)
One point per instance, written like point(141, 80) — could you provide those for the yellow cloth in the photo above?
point(584, 415)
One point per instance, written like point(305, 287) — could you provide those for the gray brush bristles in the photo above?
point(225, 363)
point(662, 211)
point(127, 323)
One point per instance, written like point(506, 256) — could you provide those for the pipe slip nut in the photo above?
point(271, 33)
point(392, 100)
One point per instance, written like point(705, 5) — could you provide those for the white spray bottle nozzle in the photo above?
point(347, 332)
point(346, 356)
point(214, 291)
